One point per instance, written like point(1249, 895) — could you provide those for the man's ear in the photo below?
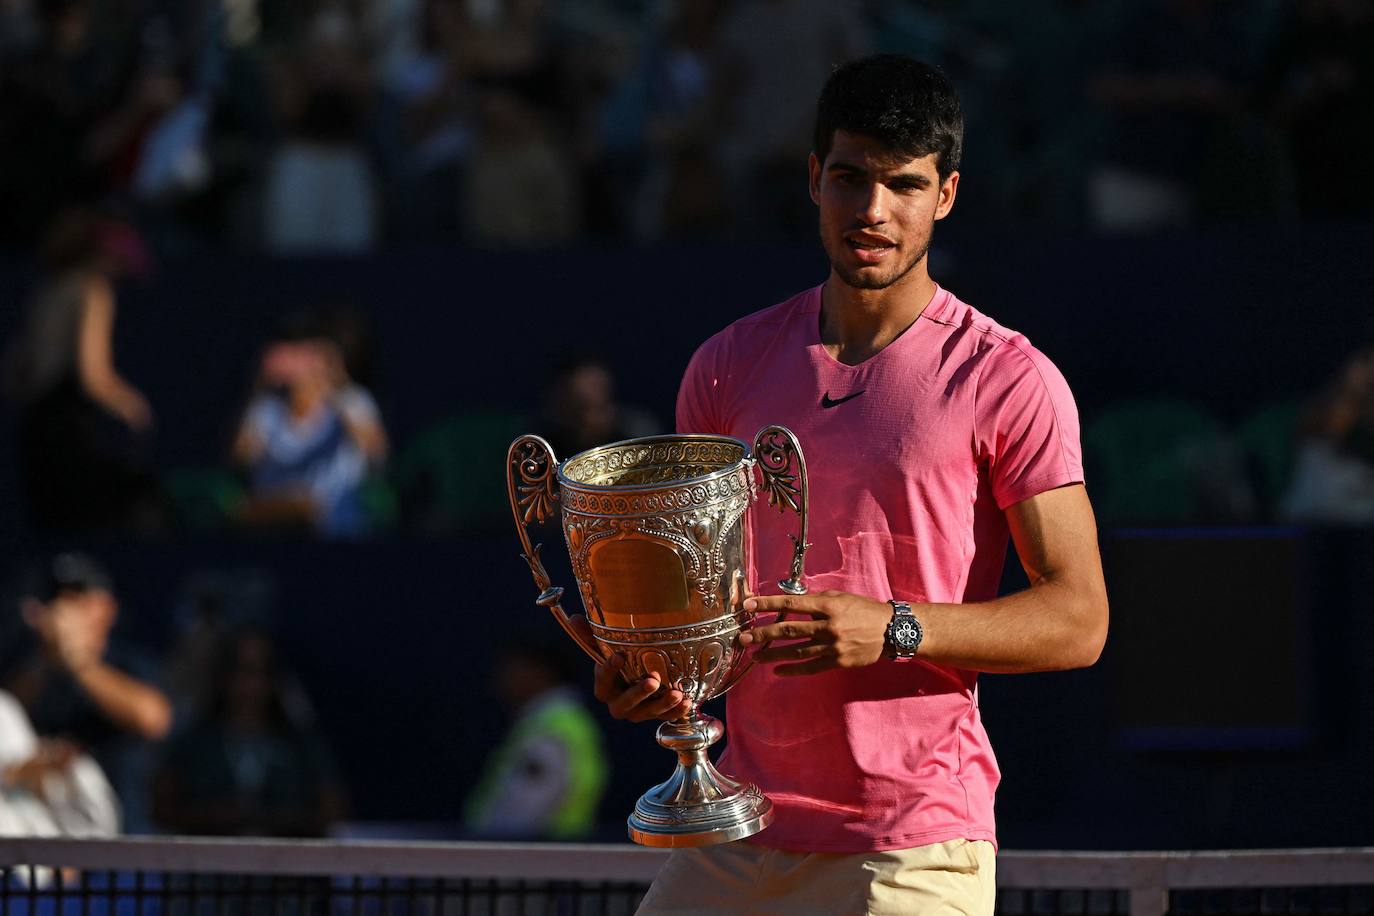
point(813, 170)
point(948, 191)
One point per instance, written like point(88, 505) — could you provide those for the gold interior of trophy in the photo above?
point(655, 460)
point(636, 577)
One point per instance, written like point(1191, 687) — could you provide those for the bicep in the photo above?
point(1055, 534)
point(1056, 537)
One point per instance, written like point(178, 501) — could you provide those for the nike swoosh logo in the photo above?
point(827, 402)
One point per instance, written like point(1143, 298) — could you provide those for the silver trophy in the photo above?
point(656, 532)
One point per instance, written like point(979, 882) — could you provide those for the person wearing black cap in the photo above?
point(68, 677)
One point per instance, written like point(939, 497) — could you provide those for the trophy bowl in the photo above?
point(656, 532)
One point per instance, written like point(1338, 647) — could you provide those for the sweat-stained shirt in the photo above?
point(911, 465)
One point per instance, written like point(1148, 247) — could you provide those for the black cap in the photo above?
point(70, 572)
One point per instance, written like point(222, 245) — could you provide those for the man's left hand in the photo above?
point(845, 631)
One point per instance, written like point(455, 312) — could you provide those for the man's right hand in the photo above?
point(641, 702)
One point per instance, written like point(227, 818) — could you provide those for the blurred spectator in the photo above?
point(771, 58)
point(423, 120)
point(83, 429)
point(310, 437)
point(320, 194)
point(655, 119)
point(246, 765)
point(521, 185)
point(503, 40)
point(1320, 86)
point(1021, 70)
point(191, 663)
point(152, 145)
point(49, 787)
point(68, 68)
point(1333, 480)
point(581, 409)
point(545, 780)
point(680, 196)
point(79, 684)
point(1181, 140)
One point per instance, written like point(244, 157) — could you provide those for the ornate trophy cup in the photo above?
point(655, 530)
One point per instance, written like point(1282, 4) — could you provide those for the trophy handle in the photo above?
point(783, 467)
point(531, 484)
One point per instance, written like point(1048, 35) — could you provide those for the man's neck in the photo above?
point(856, 324)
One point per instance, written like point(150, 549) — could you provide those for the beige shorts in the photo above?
point(958, 876)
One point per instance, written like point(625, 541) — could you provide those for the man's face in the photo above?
point(877, 209)
point(76, 616)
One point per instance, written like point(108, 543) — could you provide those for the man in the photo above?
point(545, 780)
point(48, 787)
point(930, 433)
point(76, 686)
point(310, 436)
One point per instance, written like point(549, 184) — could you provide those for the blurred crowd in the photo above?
point(310, 450)
point(342, 125)
point(310, 453)
point(99, 736)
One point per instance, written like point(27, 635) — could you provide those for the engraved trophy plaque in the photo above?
point(656, 532)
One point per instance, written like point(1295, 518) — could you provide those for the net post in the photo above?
point(1149, 888)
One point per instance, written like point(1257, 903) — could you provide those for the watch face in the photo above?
point(905, 633)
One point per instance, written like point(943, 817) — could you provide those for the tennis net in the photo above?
point(207, 877)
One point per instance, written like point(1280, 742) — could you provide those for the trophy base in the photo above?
point(698, 805)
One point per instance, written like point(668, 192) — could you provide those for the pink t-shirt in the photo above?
point(931, 439)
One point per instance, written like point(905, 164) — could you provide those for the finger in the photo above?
point(792, 653)
point(786, 604)
point(791, 629)
point(609, 684)
point(627, 704)
point(663, 705)
point(623, 704)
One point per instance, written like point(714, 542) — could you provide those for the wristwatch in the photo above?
point(904, 631)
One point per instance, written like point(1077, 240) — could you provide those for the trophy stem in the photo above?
point(698, 805)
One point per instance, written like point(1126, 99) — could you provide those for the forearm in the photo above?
point(369, 438)
point(247, 447)
point(1059, 622)
point(1053, 625)
point(129, 703)
point(112, 392)
point(1050, 626)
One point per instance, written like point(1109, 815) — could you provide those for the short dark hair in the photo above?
point(905, 104)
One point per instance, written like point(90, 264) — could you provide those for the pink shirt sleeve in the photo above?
point(1025, 424)
point(698, 397)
